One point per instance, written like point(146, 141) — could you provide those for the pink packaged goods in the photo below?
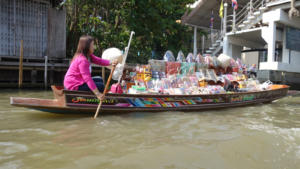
point(172, 68)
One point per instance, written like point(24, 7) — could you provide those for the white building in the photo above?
point(259, 31)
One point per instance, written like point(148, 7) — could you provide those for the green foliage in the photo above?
point(110, 22)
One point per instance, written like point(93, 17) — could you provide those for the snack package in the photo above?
point(187, 68)
point(155, 75)
point(157, 65)
point(169, 57)
point(172, 68)
point(180, 57)
point(211, 75)
point(190, 58)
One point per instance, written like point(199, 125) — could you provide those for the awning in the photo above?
point(201, 14)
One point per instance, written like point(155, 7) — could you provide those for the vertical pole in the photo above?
point(271, 43)
point(221, 28)
point(21, 65)
point(195, 41)
point(15, 29)
point(211, 36)
point(46, 72)
point(203, 44)
point(225, 18)
point(251, 8)
point(103, 74)
point(225, 39)
point(233, 21)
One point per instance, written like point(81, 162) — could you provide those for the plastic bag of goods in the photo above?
point(187, 68)
point(169, 57)
point(224, 60)
point(208, 61)
point(216, 62)
point(266, 85)
point(118, 72)
point(112, 54)
point(172, 68)
point(180, 57)
point(190, 58)
point(157, 65)
point(239, 63)
point(200, 63)
point(199, 58)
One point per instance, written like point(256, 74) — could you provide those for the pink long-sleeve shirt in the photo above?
point(79, 72)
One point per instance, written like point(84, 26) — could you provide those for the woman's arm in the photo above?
point(99, 61)
point(86, 74)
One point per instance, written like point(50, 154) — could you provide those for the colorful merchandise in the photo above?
point(172, 68)
point(187, 68)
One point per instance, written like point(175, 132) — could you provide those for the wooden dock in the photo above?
point(34, 71)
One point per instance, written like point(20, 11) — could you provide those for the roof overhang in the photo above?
point(201, 14)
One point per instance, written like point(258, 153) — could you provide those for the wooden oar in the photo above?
point(105, 90)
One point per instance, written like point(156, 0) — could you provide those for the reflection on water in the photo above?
point(262, 136)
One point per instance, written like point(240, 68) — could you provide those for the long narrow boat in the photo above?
point(71, 102)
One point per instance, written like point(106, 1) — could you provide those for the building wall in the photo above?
point(56, 33)
point(250, 58)
point(41, 27)
point(291, 58)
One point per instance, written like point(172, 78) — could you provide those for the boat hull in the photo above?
point(74, 102)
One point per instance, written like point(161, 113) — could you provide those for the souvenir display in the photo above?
point(207, 76)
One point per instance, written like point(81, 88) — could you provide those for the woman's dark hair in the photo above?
point(84, 46)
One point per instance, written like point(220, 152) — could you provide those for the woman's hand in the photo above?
point(100, 96)
point(114, 62)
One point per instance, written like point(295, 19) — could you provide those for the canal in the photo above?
point(263, 136)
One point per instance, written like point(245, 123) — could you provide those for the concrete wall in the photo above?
point(250, 58)
point(56, 33)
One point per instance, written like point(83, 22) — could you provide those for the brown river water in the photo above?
point(265, 136)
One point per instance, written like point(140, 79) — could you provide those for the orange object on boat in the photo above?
point(273, 87)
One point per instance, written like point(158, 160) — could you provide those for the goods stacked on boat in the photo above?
point(190, 76)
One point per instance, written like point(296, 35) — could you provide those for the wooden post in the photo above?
point(46, 72)
point(21, 65)
point(103, 74)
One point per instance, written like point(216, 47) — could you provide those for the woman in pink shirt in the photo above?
point(78, 76)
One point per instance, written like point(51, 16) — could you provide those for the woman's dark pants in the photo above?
point(98, 81)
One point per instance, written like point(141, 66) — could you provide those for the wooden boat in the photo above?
point(70, 102)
